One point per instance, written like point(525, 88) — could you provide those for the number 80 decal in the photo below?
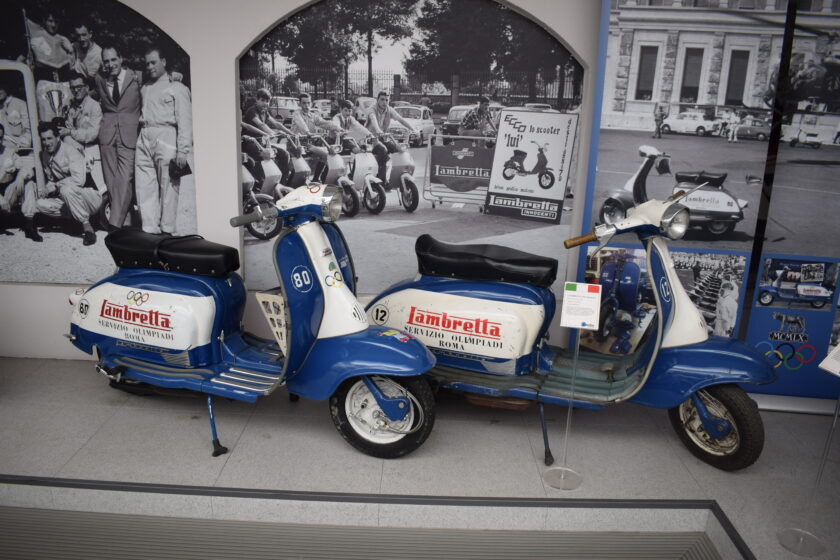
point(301, 278)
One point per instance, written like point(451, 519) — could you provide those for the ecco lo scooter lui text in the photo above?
point(170, 320)
point(484, 311)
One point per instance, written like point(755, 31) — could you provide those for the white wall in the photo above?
point(214, 33)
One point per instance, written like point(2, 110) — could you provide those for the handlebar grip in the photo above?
point(251, 217)
point(580, 240)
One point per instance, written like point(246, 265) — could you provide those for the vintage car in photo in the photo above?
point(324, 107)
point(456, 114)
point(690, 123)
point(756, 128)
point(420, 119)
point(282, 108)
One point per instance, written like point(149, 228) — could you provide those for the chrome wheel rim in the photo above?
point(693, 426)
point(369, 421)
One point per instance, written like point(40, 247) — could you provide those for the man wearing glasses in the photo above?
point(81, 127)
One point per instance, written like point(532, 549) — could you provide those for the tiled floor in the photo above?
point(60, 419)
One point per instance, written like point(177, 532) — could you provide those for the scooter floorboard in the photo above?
point(598, 379)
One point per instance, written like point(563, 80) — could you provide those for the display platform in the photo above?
point(481, 468)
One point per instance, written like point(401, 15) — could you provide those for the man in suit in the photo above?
point(119, 96)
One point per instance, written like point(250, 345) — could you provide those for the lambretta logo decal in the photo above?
point(450, 323)
point(458, 171)
point(147, 318)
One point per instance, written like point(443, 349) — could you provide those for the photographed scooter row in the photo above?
point(171, 318)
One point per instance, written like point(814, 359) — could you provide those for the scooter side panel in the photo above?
point(158, 316)
point(491, 327)
point(679, 372)
point(374, 351)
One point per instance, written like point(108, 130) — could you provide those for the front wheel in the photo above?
point(350, 203)
point(700, 131)
point(741, 447)
point(765, 298)
point(360, 420)
point(374, 198)
point(546, 179)
point(818, 304)
point(263, 229)
point(665, 129)
point(410, 196)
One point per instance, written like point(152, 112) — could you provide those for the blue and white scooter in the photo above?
point(485, 310)
point(170, 318)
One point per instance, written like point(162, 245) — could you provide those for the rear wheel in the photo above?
point(818, 304)
point(360, 420)
point(719, 227)
point(741, 447)
point(508, 173)
point(761, 136)
point(374, 198)
point(350, 203)
point(700, 131)
point(410, 196)
point(665, 129)
point(263, 229)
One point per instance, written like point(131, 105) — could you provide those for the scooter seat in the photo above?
point(698, 177)
point(490, 263)
point(192, 254)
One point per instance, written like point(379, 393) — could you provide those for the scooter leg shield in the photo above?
point(375, 351)
point(681, 371)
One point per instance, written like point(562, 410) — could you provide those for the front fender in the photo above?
point(375, 351)
point(680, 371)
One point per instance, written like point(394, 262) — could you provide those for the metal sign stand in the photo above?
point(800, 541)
point(565, 478)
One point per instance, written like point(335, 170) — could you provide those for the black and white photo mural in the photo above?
point(96, 130)
point(401, 103)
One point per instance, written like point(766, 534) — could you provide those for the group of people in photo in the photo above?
point(260, 130)
point(112, 138)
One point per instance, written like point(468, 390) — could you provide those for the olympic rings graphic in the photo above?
point(784, 359)
point(315, 189)
point(138, 298)
point(334, 280)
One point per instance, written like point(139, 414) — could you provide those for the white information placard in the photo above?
point(581, 306)
point(831, 363)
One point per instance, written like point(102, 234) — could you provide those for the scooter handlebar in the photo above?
point(580, 240)
point(254, 216)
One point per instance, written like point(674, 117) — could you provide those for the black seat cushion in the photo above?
point(699, 177)
point(192, 254)
point(483, 262)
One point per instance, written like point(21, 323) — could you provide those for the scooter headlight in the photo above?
point(331, 203)
point(675, 221)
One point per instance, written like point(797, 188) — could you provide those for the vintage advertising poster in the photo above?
point(461, 166)
point(532, 164)
point(95, 135)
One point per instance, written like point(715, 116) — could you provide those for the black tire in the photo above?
point(375, 202)
point(738, 450)
point(700, 131)
point(793, 142)
point(765, 298)
point(264, 229)
point(376, 441)
point(719, 228)
point(546, 180)
point(818, 304)
point(350, 203)
point(611, 212)
point(508, 173)
point(761, 137)
point(665, 129)
point(816, 145)
point(410, 196)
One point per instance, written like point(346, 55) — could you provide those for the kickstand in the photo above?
point(218, 448)
point(549, 458)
